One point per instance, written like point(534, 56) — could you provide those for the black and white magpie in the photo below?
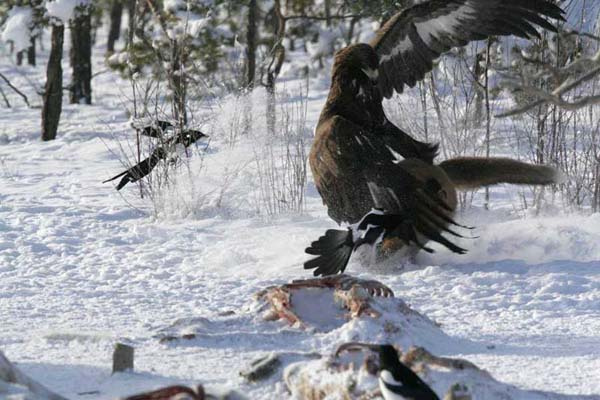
point(157, 129)
point(336, 246)
point(168, 146)
point(396, 380)
point(333, 250)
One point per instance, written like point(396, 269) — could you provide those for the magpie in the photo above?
point(396, 380)
point(184, 138)
point(157, 129)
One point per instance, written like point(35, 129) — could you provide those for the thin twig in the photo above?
point(4, 97)
point(584, 34)
point(15, 89)
point(323, 18)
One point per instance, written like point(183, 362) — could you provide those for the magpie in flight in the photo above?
point(157, 129)
point(183, 138)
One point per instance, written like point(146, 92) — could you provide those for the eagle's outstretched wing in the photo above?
point(412, 39)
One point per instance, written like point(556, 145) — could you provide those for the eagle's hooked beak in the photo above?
point(372, 74)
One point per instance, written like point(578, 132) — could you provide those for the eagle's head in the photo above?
point(360, 60)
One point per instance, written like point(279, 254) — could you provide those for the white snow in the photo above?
point(63, 10)
point(83, 266)
point(324, 45)
point(14, 385)
point(17, 27)
point(174, 5)
point(196, 25)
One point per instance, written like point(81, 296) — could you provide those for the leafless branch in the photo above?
point(15, 89)
point(4, 97)
point(322, 18)
point(556, 96)
point(584, 34)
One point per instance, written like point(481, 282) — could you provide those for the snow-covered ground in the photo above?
point(81, 268)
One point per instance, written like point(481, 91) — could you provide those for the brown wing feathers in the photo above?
point(414, 212)
point(421, 209)
point(403, 219)
point(411, 40)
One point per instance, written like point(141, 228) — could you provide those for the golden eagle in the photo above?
point(354, 158)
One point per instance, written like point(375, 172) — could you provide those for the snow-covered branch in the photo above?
point(569, 77)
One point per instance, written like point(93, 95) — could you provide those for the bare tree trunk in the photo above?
point(541, 134)
point(81, 58)
point(350, 36)
point(596, 199)
point(114, 32)
point(178, 83)
point(251, 38)
point(488, 114)
point(31, 52)
point(328, 13)
point(130, 21)
point(479, 89)
point(53, 92)
point(274, 68)
point(20, 57)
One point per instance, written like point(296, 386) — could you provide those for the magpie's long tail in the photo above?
point(141, 169)
point(133, 174)
point(116, 176)
point(333, 250)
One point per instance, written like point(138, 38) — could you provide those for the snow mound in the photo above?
point(354, 376)
point(301, 320)
point(533, 240)
point(293, 330)
point(64, 9)
point(343, 308)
